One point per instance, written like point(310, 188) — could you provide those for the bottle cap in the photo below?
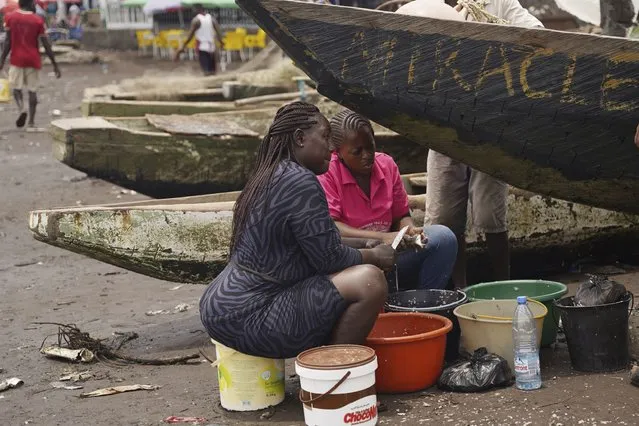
point(522, 300)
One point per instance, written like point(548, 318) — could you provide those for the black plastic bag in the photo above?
point(482, 372)
point(599, 290)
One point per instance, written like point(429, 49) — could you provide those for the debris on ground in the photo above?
point(61, 385)
point(158, 312)
point(634, 375)
point(81, 376)
point(72, 338)
point(182, 307)
point(118, 389)
point(27, 263)
point(267, 414)
point(76, 178)
point(11, 383)
point(177, 419)
point(75, 355)
point(120, 191)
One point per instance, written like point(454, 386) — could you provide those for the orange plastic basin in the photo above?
point(410, 350)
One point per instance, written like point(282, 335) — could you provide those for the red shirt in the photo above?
point(348, 204)
point(25, 29)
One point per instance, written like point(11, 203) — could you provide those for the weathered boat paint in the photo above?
point(187, 239)
point(114, 108)
point(196, 157)
point(547, 111)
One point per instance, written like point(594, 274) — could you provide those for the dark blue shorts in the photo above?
point(207, 61)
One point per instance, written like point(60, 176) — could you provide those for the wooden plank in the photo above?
point(206, 125)
point(200, 95)
point(113, 108)
point(546, 111)
point(278, 97)
point(234, 90)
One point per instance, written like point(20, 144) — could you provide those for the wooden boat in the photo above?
point(186, 239)
point(228, 91)
point(175, 94)
point(171, 156)
point(547, 111)
point(104, 107)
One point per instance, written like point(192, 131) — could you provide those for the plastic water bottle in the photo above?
point(527, 369)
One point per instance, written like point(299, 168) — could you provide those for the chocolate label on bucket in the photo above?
point(358, 417)
point(362, 412)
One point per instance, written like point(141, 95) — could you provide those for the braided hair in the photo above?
point(347, 121)
point(276, 146)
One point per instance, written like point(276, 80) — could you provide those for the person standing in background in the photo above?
point(617, 17)
point(206, 31)
point(25, 30)
point(456, 190)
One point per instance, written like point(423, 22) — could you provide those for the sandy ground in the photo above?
point(39, 283)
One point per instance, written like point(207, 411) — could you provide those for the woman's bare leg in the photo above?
point(365, 288)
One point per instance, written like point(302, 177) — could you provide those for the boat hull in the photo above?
point(142, 155)
point(187, 239)
point(546, 111)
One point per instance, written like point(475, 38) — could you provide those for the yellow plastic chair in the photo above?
point(145, 39)
point(173, 40)
point(234, 41)
point(160, 45)
point(254, 41)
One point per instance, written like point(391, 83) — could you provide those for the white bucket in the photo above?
point(248, 383)
point(338, 385)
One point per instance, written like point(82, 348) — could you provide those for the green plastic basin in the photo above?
point(542, 291)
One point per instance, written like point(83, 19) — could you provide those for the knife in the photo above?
point(400, 236)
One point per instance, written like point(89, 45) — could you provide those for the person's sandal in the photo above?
point(22, 119)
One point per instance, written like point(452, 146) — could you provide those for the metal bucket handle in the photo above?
point(328, 392)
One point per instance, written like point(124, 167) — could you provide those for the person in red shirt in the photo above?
point(367, 199)
point(25, 30)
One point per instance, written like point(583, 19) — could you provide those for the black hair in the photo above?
point(276, 146)
point(346, 121)
point(198, 6)
point(27, 5)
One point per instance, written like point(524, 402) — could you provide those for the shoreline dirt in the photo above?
point(40, 283)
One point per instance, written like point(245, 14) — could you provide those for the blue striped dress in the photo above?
point(274, 299)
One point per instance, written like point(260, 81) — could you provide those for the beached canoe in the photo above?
point(547, 111)
point(179, 94)
point(187, 239)
point(174, 156)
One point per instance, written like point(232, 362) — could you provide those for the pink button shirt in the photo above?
point(348, 204)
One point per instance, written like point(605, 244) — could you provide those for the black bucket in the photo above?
point(597, 336)
point(440, 302)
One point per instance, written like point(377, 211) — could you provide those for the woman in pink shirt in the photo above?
point(367, 199)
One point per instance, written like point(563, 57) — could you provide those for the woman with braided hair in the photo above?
point(291, 283)
point(367, 199)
